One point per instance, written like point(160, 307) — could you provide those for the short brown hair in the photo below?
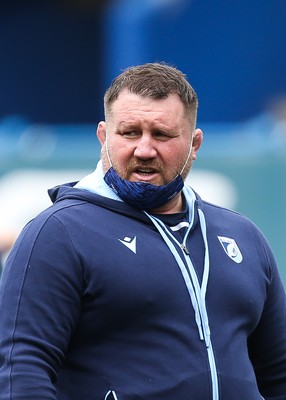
point(154, 80)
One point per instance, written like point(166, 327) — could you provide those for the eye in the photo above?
point(130, 134)
point(160, 135)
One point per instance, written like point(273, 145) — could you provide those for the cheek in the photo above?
point(176, 157)
point(120, 156)
point(182, 161)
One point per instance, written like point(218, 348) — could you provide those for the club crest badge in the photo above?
point(231, 248)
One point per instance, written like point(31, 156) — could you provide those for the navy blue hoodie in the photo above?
point(100, 301)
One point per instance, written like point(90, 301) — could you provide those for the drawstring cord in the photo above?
point(196, 291)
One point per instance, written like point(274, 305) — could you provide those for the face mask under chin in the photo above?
point(143, 195)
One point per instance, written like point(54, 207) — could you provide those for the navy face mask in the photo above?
point(143, 195)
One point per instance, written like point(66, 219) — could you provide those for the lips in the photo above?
point(144, 174)
point(145, 171)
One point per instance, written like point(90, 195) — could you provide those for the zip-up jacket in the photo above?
point(100, 301)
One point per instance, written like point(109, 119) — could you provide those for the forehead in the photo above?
point(130, 107)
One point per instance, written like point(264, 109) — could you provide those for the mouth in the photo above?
point(144, 174)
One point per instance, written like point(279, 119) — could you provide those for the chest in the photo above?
point(131, 273)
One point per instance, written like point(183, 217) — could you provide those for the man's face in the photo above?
point(148, 140)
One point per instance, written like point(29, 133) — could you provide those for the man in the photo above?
point(132, 287)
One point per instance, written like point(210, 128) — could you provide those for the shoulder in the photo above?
point(224, 215)
point(232, 222)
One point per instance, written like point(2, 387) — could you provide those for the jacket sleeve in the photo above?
point(40, 301)
point(267, 344)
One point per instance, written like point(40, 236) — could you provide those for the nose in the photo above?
point(145, 148)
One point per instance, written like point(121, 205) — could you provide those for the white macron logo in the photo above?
point(130, 243)
point(231, 248)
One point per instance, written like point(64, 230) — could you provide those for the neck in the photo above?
point(173, 206)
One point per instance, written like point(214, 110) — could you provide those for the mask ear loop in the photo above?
point(107, 152)
point(188, 156)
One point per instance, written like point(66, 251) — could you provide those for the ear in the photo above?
point(197, 141)
point(101, 132)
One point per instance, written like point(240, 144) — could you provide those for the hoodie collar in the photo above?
point(95, 183)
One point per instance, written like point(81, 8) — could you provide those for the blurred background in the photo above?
point(58, 57)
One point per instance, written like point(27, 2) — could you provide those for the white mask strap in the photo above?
point(188, 156)
point(107, 152)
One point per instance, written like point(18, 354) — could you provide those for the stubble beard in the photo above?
point(126, 172)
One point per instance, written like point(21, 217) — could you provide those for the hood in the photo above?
point(68, 192)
